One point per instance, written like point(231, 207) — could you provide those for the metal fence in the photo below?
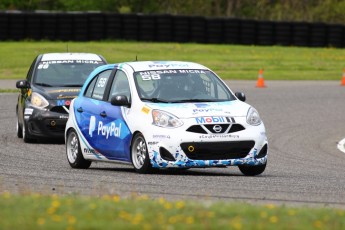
point(85, 26)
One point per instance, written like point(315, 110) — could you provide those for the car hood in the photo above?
point(58, 93)
point(233, 108)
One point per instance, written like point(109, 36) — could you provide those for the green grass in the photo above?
point(34, 211)
point(229, 61)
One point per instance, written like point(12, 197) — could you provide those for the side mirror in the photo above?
point(241, 96)
point(120, 100)
point(22, 84)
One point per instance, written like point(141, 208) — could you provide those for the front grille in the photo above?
point(59, 109)
point(210, 128)
point(217, 150)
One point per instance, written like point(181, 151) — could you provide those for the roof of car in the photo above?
point(70, 56)
point(161, 65)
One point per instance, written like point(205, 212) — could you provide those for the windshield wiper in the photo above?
point(155, 100)
point(43, 84)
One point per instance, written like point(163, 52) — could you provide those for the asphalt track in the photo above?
point(304, 122)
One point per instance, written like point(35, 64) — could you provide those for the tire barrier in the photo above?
point(85, 26)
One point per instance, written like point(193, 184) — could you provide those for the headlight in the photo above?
point(164, 119)
point(253, 117)
point(38, 100)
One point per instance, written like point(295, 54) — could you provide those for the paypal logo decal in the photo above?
point(107, 130)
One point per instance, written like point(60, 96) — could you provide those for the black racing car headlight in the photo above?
point(165, 119)
point(253, 117)
point(37, 100)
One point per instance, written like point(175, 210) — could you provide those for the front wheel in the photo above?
point(74, 155)
point(19, 130)
point(139, 155)
point(25, 134)
point(252, 170)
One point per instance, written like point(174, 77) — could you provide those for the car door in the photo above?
point(88, 108)
point(115, 136)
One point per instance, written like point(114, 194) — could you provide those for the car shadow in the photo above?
point(212, 172)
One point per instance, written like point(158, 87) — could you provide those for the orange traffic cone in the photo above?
point(261, 83)
point(343, 78)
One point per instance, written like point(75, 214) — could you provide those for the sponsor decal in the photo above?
point(64, 90)
point(161, 136)
point(152, 142)
point(29, 92)
point(168, 65)
point(207, 110)
point(211, 120)
point(28, 111)
point(217, 136)
point(145, 110)
point(87, 150)
point(63, 102)
point(63, 117)
point(107, 130)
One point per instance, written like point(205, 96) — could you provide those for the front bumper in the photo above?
point(45, 123)
point(190, 150)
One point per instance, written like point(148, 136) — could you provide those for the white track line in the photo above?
point(341, 145)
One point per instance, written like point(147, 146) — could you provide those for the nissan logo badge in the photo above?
point(217, 128)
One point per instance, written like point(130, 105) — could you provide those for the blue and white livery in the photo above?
point(163, 114)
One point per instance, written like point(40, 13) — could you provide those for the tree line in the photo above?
point(328, 11)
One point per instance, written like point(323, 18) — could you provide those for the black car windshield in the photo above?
point(181, 85)
point(69, 73)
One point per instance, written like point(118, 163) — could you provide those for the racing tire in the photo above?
point(139, 155)
point(252, 170)
point(73, 151)
point(25, 134)
point(19, 130)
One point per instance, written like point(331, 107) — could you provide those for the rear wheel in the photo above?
point(74, 155)
point(139, 155)
point(252, 170)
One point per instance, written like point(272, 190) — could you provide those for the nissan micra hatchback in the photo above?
point(164, 114)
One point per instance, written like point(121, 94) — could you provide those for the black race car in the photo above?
point(53, 80)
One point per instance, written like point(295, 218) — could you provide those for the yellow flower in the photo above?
point(56, 218)
point(291, 212)
point(318, 224)
point(125, 215)
point(172, 219)
point(167, 205)
point(116, 198)
point(41, 221)
point(55, 204)
point(137, 218)
point(263, 214)
point(71, 219)
point(270, 206)
point(6, 195)
point(51, 210)
point(190, 220)
point(273, 219)
point(180, 205)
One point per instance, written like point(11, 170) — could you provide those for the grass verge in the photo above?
point(36, 211)
point(228, 61)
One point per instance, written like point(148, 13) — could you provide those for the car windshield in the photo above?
point(71, 73)
point(181, 85)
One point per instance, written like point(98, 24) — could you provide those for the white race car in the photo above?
point(163, 114)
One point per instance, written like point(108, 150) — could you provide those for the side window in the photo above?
point(90, 88)
point(98, 84)
point(120, 86)
point(31, 70)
